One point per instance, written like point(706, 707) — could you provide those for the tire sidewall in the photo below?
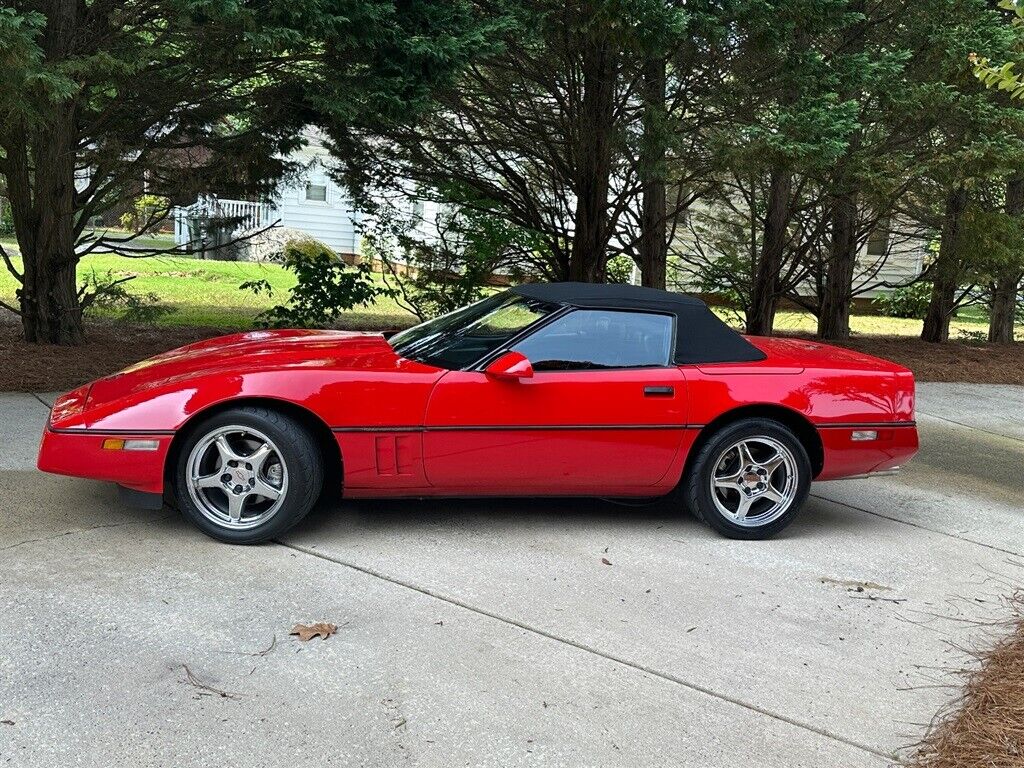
point(299, 452)
point(699, 495)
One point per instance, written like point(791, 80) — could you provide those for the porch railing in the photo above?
point(191, 222)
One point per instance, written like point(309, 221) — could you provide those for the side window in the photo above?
point(878, 239)
point(588, 339)
point(315, 191)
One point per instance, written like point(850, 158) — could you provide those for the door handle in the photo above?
point(659, 391)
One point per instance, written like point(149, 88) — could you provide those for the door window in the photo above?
point(589, 339)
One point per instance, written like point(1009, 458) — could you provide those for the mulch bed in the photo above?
point(984, 726)
point(953, 361)
point(113, 346)
point(44, 368)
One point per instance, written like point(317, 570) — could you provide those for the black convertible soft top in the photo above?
point(701, 337)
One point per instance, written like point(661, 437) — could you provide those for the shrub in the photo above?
point(109, 296)
point(972, 337)
point(619, 269)
point(326, 287)
point(910, 301)
point(146, 211)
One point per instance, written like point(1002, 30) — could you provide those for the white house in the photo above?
point(894, 254)
point(312, 203)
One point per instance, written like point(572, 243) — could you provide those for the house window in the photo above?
point(878, 240)
point(417, 209)
point(316, 193)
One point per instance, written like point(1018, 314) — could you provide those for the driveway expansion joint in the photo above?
point(49, 406)
point(969, 426)
point(696, 687)
point(920, 527)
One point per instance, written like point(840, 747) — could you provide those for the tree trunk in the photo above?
point(44, 223)
point(946, 270)
point(834, 313)
point(1004, 308)
point(593, 164)
point(764, 294)
point(1007, 284)
point(837, 291)
point(41, 192)
point(654, 230)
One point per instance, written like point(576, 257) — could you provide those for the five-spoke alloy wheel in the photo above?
point(237, 477)
point(754, 481)
point(248, 474)
point(749, 479)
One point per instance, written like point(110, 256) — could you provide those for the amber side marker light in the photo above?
point(117, 444)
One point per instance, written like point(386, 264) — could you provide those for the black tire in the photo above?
point(719, 451)
point(300, 472)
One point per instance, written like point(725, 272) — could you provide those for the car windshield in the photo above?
point(459, 339)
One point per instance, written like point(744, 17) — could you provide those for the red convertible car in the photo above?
point(562, 389)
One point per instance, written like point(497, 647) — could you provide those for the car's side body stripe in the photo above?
point(518, 427)
point(562, 427)
point(497, 427)
point(867, 425)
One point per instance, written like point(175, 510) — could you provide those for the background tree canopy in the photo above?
point(751, 148)
point(98, 97)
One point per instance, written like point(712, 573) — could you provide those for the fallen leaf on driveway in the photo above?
point(6, 722)
point(606, 561)
point(308, 631)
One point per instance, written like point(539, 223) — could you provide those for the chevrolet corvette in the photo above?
point(562, 389)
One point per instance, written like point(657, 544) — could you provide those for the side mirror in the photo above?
point(511, 366)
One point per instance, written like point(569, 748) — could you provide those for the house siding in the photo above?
point(334, 222)
point(903, 264)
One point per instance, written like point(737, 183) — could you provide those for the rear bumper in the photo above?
point(80, 453)
point(845, 457)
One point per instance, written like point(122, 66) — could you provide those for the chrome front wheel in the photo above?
point(237, 477)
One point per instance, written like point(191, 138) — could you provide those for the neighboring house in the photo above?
point(894, 254)
point(311, 203)
point(901, 259)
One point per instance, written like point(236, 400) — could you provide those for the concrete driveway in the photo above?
point(490, 632)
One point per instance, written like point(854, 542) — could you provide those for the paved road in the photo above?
point(491, 633)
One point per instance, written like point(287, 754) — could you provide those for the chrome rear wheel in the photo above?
point(754, 481)
point(749, 478)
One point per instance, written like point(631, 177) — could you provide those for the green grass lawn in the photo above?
point(207, 293)
point(971, 320)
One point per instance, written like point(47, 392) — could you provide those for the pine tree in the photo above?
point(190, 96)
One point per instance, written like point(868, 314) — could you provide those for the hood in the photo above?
point(253, 351)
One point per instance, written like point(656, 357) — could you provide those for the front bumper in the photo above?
point(80, 453)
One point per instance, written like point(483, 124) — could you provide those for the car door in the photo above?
point(604, 412)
